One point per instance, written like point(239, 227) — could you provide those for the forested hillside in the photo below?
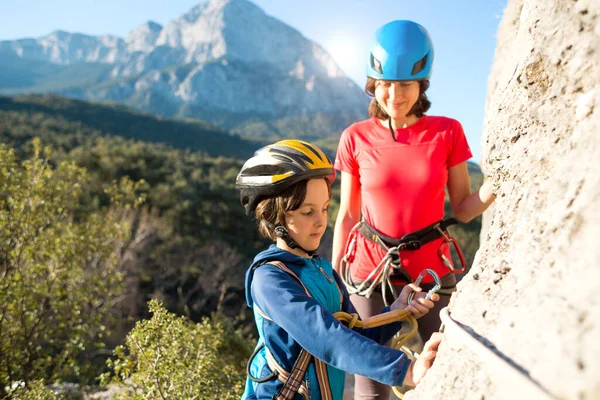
point(49, 114)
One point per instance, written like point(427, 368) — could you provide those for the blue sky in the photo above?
point(463, 33)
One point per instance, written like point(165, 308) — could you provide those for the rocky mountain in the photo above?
point(224, 61)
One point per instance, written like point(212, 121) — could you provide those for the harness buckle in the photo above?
point(436, 278)
point(415, 244)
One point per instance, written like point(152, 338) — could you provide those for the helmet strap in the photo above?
point(282, 233)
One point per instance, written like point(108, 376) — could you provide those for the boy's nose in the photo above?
point(322, 219)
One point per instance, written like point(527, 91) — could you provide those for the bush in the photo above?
point(170, 357)
point(34, 391)
point(59, 274)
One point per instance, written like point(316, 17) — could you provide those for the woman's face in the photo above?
point(397, 98)
point(307, 224)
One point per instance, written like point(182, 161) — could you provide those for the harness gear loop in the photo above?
point(376, 276)
point(449, 240)
point(436, 278)
point(248, 372)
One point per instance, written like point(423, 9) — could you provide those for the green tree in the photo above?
point(170, 357)
point(59, 275)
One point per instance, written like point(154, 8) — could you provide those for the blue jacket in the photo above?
point(298, 320)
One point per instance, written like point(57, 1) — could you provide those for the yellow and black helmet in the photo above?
point(276, 167)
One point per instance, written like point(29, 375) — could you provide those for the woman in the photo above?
point(394, 169)
point(294, 293)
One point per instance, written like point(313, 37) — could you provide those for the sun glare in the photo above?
point(344, 51)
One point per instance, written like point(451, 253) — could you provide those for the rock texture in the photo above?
point(533, 289)
point(224, 61)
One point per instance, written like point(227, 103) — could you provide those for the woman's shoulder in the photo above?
point(361, 132)
point(441, 120)
point(361, 126)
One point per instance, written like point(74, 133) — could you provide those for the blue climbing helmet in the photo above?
point(402, 51)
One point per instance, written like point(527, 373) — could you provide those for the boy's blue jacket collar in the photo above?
point(270, 254)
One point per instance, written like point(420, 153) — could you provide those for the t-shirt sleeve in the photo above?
point(459, 148)
point(345, 158)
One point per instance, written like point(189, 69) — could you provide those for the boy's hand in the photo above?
point(419, 306)
point(419, 367)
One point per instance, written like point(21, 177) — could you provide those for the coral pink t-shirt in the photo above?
point(402, 184)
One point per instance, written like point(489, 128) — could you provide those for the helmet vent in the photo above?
point(376, 64)
point(419, 65)
point(264, 170)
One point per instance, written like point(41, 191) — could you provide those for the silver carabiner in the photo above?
point(436, 278)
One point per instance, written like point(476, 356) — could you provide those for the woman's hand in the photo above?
point(419, 367)
point(419, 306)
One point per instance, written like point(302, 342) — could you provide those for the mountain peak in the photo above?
point(202, 30)
point(143, 37)
point(152, 25)
point(58, 34)
point(216, 6)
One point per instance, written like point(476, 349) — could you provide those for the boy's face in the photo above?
point(307, 224)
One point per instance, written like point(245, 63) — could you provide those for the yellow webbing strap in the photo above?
point(398, 341)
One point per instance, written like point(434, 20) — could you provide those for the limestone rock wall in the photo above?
point(534, 288)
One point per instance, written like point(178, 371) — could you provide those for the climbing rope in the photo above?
point(380, 274)
point(514, 376)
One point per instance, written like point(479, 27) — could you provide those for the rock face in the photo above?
point(533, 289)
point(224, 61)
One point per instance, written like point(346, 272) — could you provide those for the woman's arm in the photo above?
point(465, 205)
point(348, 216)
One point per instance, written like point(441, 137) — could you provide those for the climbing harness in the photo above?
point(293, 382)
point(515, 377)
point(390, 265)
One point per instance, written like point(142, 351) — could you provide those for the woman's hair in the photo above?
point(270, 212)
point(375, 110)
